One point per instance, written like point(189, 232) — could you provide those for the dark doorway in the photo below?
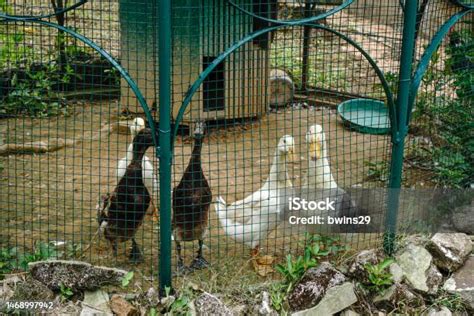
point(214, 86)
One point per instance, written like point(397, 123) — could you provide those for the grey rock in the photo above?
point(450, 250)
point(167, 301)
point(463, 219)
point(394, 294)
point(337, 298)
point(32, 290)
point(75, 275)
point(7, 287)
point(152, 296)
point(396, 272)
point(240, 309)
point(95, 303)
point(349, 312)
point(462, 283)
point(265, 306)
point(386, 295)
point(208, 304)
point(66, 308)
point(310, 290)
point(434, 279)
point(443, 311)
point(357, 266)
point(416, 264)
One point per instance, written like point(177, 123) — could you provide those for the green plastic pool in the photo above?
point(365, 116)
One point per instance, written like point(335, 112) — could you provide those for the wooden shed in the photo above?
point(202, 30)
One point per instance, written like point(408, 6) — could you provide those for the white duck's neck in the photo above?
point(129, 155)
point(319, 173)
point(278, 172)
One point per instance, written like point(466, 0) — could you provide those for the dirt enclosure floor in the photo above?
point(52, 196)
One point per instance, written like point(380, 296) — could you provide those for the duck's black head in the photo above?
point(143, 140)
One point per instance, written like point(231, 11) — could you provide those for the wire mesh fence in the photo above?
point(273, 106)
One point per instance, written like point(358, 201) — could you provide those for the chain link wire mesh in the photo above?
point(66, 114)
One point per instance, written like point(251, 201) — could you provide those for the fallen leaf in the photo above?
point(263, 265)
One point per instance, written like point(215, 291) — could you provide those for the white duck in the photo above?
point(320, 184)
point(319, 171)
point(148, 173)
point(265, 206)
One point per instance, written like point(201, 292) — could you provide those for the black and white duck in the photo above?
point(121, 213)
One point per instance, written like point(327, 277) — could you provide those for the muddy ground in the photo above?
point(52, 196)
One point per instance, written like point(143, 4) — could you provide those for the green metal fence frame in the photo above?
point(399, 109)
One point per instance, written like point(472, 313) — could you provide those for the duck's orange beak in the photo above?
point(314, 150)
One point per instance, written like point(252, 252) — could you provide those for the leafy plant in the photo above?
point(8, 260)
point(72, 250)
point(277, 296)
point(378, 170)
point(323, 246)
point(66, 292)
point(379, 278)
point(315, 248)
point(293, 269)
point(181, 305)
point(453, 302)
point(34, 96)
point(447, 119)
point(42, 251)
point(127, 278)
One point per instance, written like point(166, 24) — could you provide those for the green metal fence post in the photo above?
point(164, 49)
point(398, 139)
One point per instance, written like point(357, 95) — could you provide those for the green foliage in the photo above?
point(42, 251)
point(448, 120)
point(35, 96)
point(316, 247)
point(453, 302)
point(392, 80)
point(12, 52)
point(293, 269)
point(8, 261)
point(66, 292)
point(4, 7)
point(288, 57)
point(324, 246)
point(379, 278)
point(277, 296)
point(378, 170)
point(181, 305)
point(127, 278)
point(11, 259)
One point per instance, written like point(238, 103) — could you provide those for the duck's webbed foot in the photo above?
point(181, 269)
point(135, 254)
point(199, 262)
